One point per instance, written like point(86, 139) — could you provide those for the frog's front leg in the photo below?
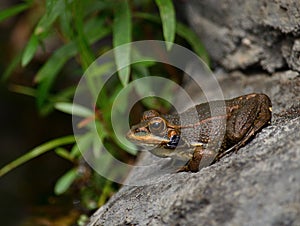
point(248, 119)
point(201, 158)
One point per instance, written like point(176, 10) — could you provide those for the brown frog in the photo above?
point(204, 139)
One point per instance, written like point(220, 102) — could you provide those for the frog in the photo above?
point(221, 127)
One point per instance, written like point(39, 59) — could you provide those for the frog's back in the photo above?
point(203, 111)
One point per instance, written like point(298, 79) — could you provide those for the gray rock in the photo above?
point(259, 185)
point(243, 34)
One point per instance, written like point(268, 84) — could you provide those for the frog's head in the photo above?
point(153, 131)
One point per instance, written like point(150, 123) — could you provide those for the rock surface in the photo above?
point(244, 34)
point(259, 185)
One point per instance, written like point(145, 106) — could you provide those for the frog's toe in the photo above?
point(191, 166)
point(183, 169)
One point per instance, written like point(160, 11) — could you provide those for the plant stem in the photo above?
point(50, 145)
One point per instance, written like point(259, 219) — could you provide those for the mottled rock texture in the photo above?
point(243, 34)
point(259, 185)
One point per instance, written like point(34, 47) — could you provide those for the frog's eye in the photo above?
point(157, 125)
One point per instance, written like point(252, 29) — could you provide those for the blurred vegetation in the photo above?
point(64, 38)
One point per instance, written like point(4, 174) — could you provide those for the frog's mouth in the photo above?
point(144, 139)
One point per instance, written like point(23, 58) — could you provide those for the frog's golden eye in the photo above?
point(157, 125)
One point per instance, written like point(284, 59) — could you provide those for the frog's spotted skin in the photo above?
point(194, 139)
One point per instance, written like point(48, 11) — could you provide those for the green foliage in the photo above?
point(7, 13)
point(48, 146)
point(65, 181)
point(184, 32)
point(121, 35)
point(167, 15)
point(74, 109)
point(81, 26)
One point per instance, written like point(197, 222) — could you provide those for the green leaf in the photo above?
point(142, 60)
point(74, 109)
point(96, 28)
point(47, 74)
point(84, 142)
point(55, 62)
point(122, 29)
point(30, 50)
point(54, 8)
point(25, 90)
point(65, 181)
point(99, 70)
point(7, 13)
point(193, 40)
point(101, 130)
point(106, 193)
point(50, 69)
point(167, 14)
point(12, 66)
point(36, 152)
point(75, 152)
point(64, 153)
point(97, 146)
point(86, 54)
point(64, 95)
point(140, 71)
point(183, 31)
point(65, 22)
